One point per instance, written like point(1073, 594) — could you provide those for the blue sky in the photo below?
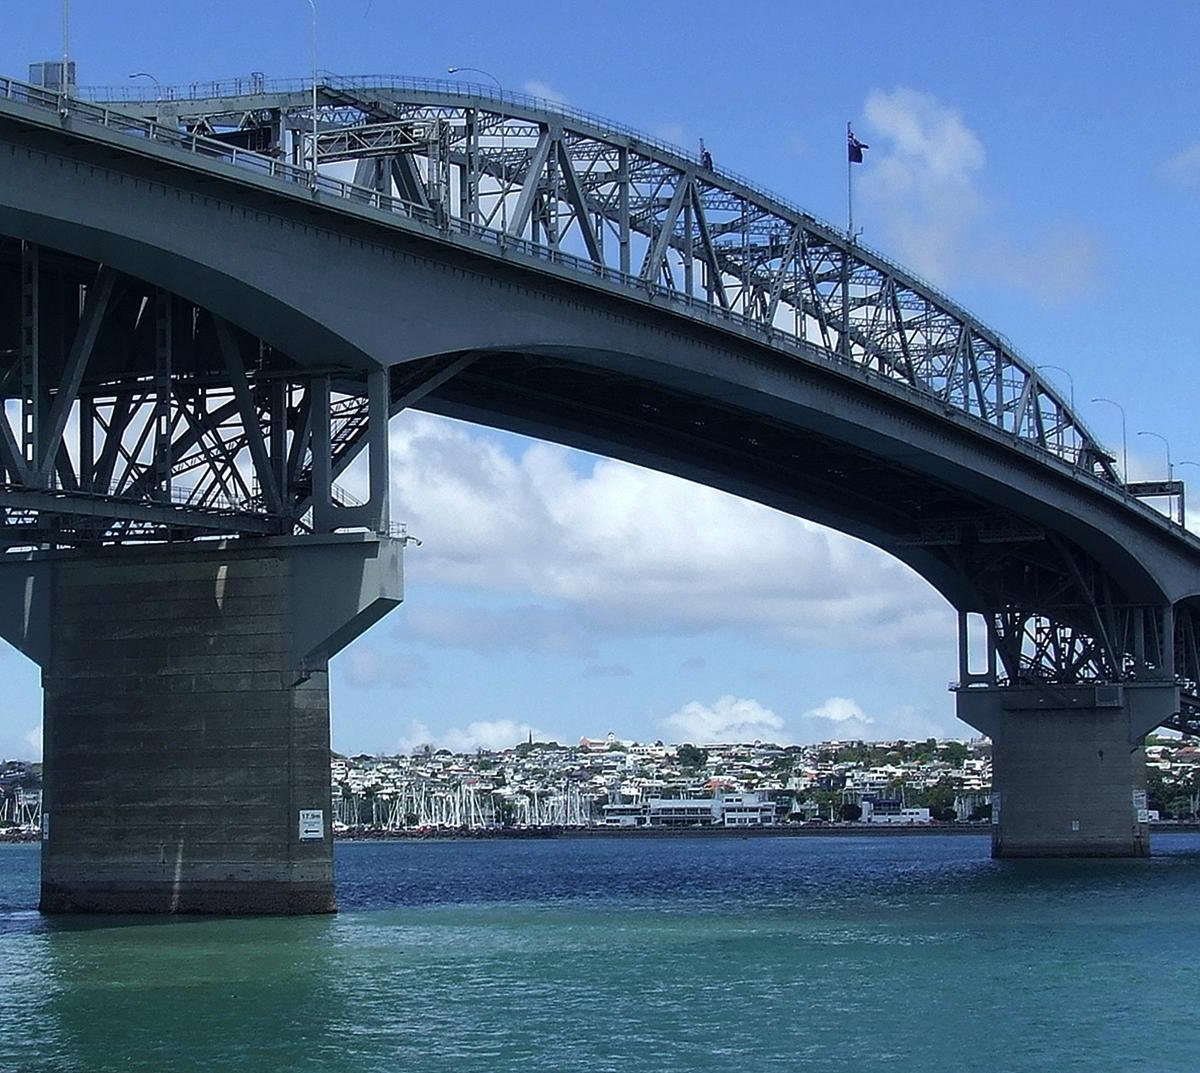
point(1040, 163)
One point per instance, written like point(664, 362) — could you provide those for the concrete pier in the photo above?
point(186, 718)
point(1068, 769)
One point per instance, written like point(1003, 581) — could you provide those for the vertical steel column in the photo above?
point(689, 255)
point(844, 341)
point(373, 514)
point(277, 405)
point(552, 191)
point(163, 348)
point(379, 403)
point(623, 206)
point(468, 182)
point(322, 465)
point(31, 385)
point(87, 442)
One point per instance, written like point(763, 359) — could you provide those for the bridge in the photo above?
point(215, 297)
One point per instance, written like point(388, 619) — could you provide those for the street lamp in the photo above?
point(147, 74)
point(478, 71)
point(312, 182)
point(1166, 442)
point(1070, 378)
point(1124, 440)
point(1182, 514)
point(503, 146)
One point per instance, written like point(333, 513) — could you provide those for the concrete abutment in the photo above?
point(186, 716)
point(1068, 768)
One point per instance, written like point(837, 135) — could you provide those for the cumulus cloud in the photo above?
point(925, 184)
point(838, 710)
point(728, 719)
point(924, 177)
point(493, 734)
point(838, 718)
point(596, 548)
point(843, 718)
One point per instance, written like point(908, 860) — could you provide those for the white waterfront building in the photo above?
point(722, 810)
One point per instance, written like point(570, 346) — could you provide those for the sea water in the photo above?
point(623, 955)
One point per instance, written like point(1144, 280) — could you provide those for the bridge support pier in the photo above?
point(1068, 769)
point(186, 717)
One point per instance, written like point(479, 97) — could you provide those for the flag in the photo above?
point(855, 147)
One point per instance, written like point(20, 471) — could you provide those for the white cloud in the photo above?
point(546, 92)
point(596, 548)
point(843, 718)
point(924, 183)
point(838, 710)
point(838, 719)
point(728, 719)
point(485, 734)
point(922, 179)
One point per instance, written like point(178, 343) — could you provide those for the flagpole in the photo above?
point(849, 187)
point(66, 50)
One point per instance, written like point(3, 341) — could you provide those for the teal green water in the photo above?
point(614, 955)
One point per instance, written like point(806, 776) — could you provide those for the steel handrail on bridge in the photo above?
point(506, 244)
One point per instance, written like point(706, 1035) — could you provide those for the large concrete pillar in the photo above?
point(186, 717)
point(1068, 769)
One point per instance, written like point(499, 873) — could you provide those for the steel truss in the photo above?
point(591, 196)
point(132, 414)
point(1055, 618)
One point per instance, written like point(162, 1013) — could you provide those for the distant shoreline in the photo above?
point(798, 831)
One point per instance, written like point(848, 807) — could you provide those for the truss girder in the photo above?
point(562, 181)
point(156, 419)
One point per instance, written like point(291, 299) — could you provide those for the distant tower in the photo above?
point(531, 735)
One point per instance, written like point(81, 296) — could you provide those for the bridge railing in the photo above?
point(257, 85)
point(275, 169)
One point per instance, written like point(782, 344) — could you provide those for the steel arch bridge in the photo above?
point(209, 312)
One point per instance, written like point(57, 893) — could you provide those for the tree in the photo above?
point(851, 812)
point(688, 756)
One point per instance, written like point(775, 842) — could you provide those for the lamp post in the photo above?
point(157, 84)
point(478, 71)
point(1070, 378)
point(1167, 444)
point(503, 147)
point(312, 181)
point(1124, 439)
point(1170, 469)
